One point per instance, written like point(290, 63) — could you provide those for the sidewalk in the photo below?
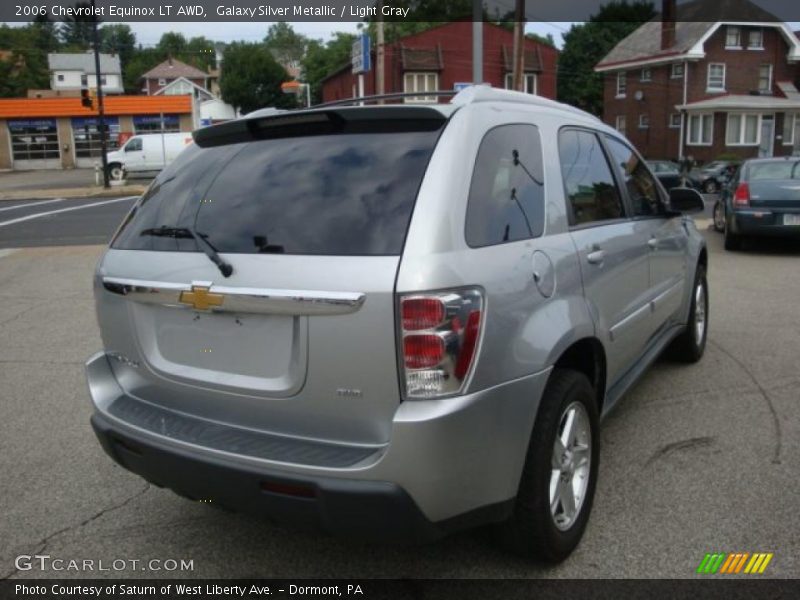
point(73, 183)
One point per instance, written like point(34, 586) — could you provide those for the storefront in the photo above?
point(86, 139)
point(34, 143)
point(60, 133)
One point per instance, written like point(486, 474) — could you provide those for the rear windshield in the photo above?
point(344, 194)
point(774, 170)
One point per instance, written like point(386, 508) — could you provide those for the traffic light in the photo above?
point(87, 98)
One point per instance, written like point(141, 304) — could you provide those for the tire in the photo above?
point(690, 345)
point(719, 217)
point(710, 187)
point(116, 171)
point(533, 530)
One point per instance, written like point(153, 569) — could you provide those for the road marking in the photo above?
point(8, 252)
point(26, 204)
point(61, 210)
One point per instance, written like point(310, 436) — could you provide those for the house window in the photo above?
point(162, 81)
point(755, 39)
point(701, 129)
point(420, 82)
point(676, 72)
point(530, 83)
point(733, 37)
point(646, 75)
point(742, 129)
point(765, 79)
point(60, 77)
point(716, 77)
point(84, 81)
point(622, 84)
point(644, 121)
point(791, 125)
point(102, 79)
point(675, 120)
point(621, 123)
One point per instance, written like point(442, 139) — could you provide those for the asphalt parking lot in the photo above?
point(696, 459)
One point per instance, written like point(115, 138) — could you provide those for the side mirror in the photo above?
point(686, 200)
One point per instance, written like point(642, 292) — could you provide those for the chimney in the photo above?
point(668, 14)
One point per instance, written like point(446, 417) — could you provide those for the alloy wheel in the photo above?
point(571, 465)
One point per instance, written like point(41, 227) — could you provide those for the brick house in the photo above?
point(440, 57)
point(682, 86)
point(170, 70)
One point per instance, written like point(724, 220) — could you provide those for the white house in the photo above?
point(208, 108)
point(76, 71)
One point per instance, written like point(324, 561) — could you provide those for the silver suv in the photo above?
point(394, 321)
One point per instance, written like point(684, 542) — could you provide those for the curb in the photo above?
point(85, 192)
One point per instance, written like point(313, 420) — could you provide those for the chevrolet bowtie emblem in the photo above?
point(200, 298)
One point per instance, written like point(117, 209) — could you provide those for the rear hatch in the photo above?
point(310, 210)
point(774, 184)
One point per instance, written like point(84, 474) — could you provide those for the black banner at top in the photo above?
point(390, 10)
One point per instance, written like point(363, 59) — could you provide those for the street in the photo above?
point(695, 459)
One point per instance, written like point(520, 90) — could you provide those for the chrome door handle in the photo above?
point(653, 243)
point(596, 257)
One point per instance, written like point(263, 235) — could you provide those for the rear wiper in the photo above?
point(185, 232)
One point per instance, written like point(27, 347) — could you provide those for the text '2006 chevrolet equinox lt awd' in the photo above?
point(394, 321)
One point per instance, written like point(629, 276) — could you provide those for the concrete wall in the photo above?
point(5, 146)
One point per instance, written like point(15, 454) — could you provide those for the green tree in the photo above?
point(251, 78)
point(322, 59)
point(286, 45)
point(586, 44)
point(142, 60)
point(172, 44)
point(77, 31)
point(118, 39)
point(199, 52)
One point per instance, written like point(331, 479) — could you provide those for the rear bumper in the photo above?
point(449, 465)
point(762, 222)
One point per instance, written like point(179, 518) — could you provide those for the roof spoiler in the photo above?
point(379, 119)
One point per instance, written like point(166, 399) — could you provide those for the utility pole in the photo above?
point(477, 42)
point(100, 109)
point(380, 74)
point(519, 45)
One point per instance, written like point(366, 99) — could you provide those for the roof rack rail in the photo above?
point(468, 95)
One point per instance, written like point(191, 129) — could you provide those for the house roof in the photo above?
point(421, 59)
point(694, 20)
point(59, 61)
point(531, 61)
point(26, 108)
point(742, 102)
point(172, 68)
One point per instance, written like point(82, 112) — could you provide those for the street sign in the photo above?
point(360, 54)
point(460, 85)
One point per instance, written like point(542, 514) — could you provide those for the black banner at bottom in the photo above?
point(377, 589)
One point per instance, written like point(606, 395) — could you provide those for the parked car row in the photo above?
point(710, 178)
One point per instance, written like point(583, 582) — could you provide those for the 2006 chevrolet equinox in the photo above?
point(394, 321)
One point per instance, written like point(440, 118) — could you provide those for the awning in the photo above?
point(742, 102)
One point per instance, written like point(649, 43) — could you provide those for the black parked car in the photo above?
point(669, 173)
point(762, 199)
point(712, 177)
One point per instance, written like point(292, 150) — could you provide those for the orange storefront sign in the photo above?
point(14, 108)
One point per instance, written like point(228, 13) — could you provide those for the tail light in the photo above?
point(439, 335)
point(742, 195)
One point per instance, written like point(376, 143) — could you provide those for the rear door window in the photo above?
point(590, 187)
point(506, 196)
point(340, 194)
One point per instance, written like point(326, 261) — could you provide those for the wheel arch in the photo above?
point(587, 356)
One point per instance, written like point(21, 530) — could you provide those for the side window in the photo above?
point(135, 145)
point(642, 188)
point(590, 187)
point(506, 195)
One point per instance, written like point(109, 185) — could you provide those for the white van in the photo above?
point(147, 152)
